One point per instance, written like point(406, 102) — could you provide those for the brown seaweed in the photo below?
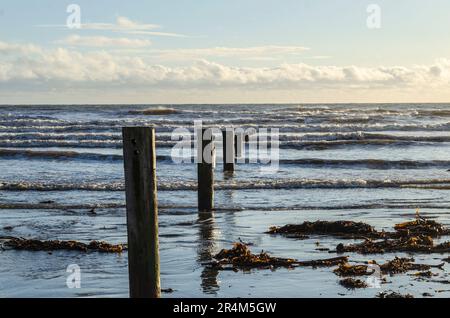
point(240, 257)
point(348, 229)
point(395, 266)
point(427, 274)
point(38, 245)
point(347, 269)
point(402, 265)
point(324, 262)
point(392, 294)
point(415, 244)
point(419, 227)
point(351, 283)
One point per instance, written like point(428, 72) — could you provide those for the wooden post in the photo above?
point(205, 170)
point(239, 145)
point(228, 149)
point(142, 211)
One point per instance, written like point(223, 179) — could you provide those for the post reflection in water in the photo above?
point(206, 250)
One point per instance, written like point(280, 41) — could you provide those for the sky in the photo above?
point(233, 51)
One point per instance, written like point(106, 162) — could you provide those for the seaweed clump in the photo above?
point(347, 269)
point(423, 244)
point(240, 257)
point(392, 294)
point(38, 245)
point(396, 266)
point(418, 229)
point(347, 229)
point(351, 283)
point(421, 227)
point(411, 236)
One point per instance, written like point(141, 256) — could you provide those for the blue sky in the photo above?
point(224, 51)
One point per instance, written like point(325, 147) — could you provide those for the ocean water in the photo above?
point(371, 163)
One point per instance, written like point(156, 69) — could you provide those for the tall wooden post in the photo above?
point(228, 149)
point(205, 170)
point(142, 211)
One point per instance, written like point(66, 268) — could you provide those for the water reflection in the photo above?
point(206, 250)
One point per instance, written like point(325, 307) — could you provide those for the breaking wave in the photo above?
point(253, 184)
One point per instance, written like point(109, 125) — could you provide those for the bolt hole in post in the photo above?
point(142, 211)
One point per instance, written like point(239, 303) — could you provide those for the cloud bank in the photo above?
point(33, 64)
point(31, 74)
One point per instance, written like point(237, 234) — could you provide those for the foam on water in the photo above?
point(62, 178)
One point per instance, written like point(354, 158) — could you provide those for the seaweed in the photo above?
point(395, 266)
point(324, 262)
point(402, 265)
point(419, 227)
point(392, 294)
point(427, 274)
point(348, 229)
point(240, 257)
point(38, 245)
point(351, 283)
point(415, 244)
point(347, 269)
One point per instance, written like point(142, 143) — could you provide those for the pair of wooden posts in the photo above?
point(142, 203)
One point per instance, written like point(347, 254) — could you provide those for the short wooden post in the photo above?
point(205, 170)
point(142, 211)
point(239, 146)
point(228, 149)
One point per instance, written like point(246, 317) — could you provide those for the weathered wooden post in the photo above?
point(239, 146)
point(142, 211)
point(205, 170)
point(228, 149)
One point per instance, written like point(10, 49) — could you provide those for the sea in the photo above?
point(62, 178)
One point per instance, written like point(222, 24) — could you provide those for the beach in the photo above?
point(62, 178)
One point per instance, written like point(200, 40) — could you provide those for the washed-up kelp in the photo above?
point(415, 244)
point(359, 230)
point(391, 294)
point(421, 226)
point(240, 257)
point(347, 229)
point(351, 283)
point(412, 236)
point(395, 266)
point(347, 269)
point(38, 245)
point(426, 274)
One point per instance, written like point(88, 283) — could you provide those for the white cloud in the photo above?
point(267, 52)
point(121, 25)
point(103, 41)
point(31, 65)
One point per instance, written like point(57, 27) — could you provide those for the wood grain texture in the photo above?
point(228, 149)
point(142, 211)
point(205, 173)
